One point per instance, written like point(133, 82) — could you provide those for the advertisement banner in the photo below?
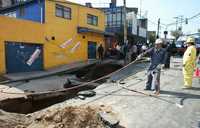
point(33, 57)
point(75, 47)
point(66, 43)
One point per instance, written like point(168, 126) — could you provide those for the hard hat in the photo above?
point(190, 40)
point(159, 41)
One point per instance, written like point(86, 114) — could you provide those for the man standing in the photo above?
point(168, 49)
point(157, 55)
point(125, 49)
point(134, 52)
point(189, 60)
point(100, 52)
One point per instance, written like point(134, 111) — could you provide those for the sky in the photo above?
point(166, 10)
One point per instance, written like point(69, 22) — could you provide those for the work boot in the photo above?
point(156, 92)
point(186, 87)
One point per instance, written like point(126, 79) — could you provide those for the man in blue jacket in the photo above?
point(157, 55)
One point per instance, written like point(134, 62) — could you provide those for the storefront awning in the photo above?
point(87, 30)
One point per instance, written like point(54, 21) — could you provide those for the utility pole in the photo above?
point(181, 22)
point(179, 19)
point(176, 22)
point(125, 23)
point(158, 31)
point(140, 9)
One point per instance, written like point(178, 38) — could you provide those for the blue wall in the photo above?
point(32, 11)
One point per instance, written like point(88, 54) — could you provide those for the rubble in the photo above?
point(67, 117)
point(70, 117)
point(10, 120)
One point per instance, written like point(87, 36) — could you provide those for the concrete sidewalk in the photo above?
point(49, 81)
point(140, 111)
point(68, 67)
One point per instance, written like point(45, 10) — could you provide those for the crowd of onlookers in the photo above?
point(130, 50)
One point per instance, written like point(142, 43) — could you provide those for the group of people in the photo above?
point(160, 58)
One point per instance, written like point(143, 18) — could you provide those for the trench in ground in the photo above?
point(32, 103)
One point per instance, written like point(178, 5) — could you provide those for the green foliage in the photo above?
point(152, 37)
point(176, 33)
point(131, 38)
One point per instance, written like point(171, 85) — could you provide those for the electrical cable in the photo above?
point(154, 96)
point(85, 84)
point(184, 20)
point(106, 76)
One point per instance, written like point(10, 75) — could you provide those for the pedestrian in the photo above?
point(101, 52)
point(189, 62)
point(125, 49)
point(134, 52)
point(129, 52)
point(168, 49)
point(157, 55)
point(144, 48)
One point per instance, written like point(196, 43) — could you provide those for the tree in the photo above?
point(151, 37)
point(176, 33)
point(133, 39)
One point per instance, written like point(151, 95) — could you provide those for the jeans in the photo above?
point(153, 80)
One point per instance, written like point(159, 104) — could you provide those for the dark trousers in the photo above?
point(167, 63)
point(101, 56)
point(153, 81)
point(134, 56)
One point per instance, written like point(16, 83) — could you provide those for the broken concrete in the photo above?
point(140, 111)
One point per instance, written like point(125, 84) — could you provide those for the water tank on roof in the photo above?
point(88, 5)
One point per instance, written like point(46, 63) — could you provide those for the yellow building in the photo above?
point(42, 34)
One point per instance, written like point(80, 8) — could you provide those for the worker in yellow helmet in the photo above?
point(189, 60)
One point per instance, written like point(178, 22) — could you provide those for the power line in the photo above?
point(184, 20)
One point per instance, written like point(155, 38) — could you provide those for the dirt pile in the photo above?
point(69, 117)
point(11, 120)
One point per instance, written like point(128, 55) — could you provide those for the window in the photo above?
point(119, 16)
point(1, 4)
point(63, 12)
point(21, 11)
point(92, 20)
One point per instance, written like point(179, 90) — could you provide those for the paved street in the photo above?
point(83, 64)
point(139, 111)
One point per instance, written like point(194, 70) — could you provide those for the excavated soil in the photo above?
point(11, 120)
point(68, 117)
